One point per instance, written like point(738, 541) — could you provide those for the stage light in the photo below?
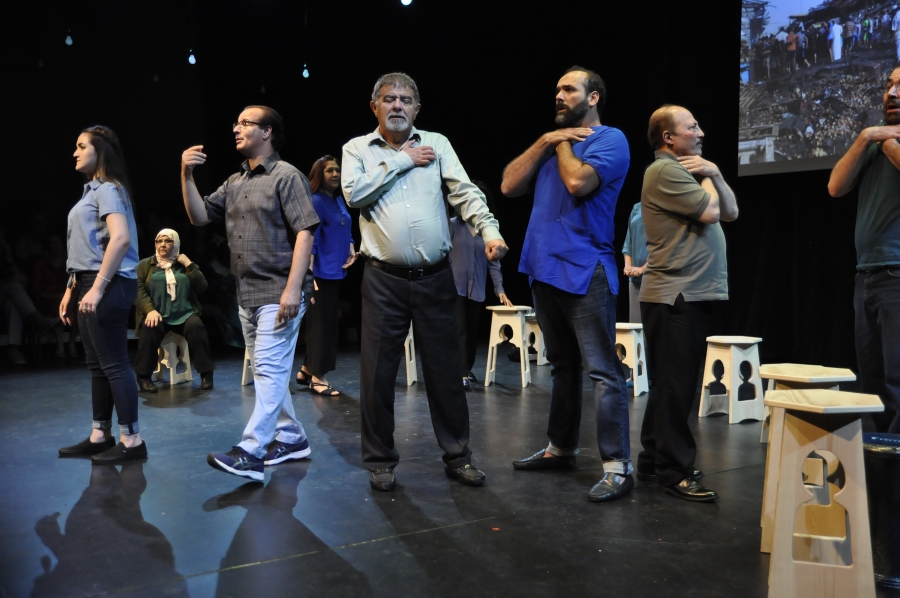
point(191, 58)
point(405, 2)
point(69, 41)
point(305, 72)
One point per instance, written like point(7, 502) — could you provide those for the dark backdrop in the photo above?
point(486, 71)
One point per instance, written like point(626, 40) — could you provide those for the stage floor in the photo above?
point(173, 526)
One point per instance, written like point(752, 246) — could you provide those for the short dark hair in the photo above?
point(661, 120)
point(271, 119)
point(395, 80)
point(592, 83)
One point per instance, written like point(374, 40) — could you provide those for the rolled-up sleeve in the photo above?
point(215, 202)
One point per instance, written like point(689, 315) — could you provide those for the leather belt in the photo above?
point(409, 273)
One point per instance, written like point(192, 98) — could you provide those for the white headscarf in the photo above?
point(166, 263)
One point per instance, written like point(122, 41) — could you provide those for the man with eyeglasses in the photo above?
point(873, 161)
point(394, 176)
point(269, 220)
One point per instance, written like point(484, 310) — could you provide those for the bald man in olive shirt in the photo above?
point(683, 199)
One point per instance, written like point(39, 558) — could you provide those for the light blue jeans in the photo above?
point(271, 346)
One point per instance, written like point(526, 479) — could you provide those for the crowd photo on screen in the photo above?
point(811, 75)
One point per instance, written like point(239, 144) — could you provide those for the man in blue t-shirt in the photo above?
point(873, 161)
point(569, 258)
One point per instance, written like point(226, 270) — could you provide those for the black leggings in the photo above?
point(191, 329)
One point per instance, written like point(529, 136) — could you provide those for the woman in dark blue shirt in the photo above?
point(333, 252)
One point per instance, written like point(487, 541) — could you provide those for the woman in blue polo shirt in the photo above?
point(333, 252)
point(102, 254)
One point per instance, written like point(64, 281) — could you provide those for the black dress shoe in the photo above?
point(610, 487)
point(146, 384)
point(466, 384)
point(86, 447)
point(467, 474)
point(539, 461)
point(690, 489)
point(120, 454)
point(206, 381)
point(651, 477)
point(382, 479)
point(471, 377)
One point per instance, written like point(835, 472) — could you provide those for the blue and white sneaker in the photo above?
point(278, 451)
point(238, 462)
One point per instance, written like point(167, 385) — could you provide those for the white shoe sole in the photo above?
point(295, 455)
point(253, 475)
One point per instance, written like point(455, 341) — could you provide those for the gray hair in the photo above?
point(395, 80)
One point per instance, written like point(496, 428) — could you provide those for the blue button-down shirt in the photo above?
point(332, 238)
point(88, 234)
point(568, 235)
point(470, 264)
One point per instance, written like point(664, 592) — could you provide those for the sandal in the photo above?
point(324, 392)
point(304, 380)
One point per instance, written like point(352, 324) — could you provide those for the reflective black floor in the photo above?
point(172, 526)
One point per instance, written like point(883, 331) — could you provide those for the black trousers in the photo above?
point(676, 345)
point(388, 305)
point(191, 329)
point(322, 328)
point(468, 315)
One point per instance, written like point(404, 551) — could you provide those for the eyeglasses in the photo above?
point(164, 242)
point(245, 124)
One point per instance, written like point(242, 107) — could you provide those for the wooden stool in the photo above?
point(631, 350)
point(247, 368)
point(821, 539)
point(173, 350)
point(533, 328)
point(409, 348)
point(795, 376)
point(515, 318)
point(737, 378)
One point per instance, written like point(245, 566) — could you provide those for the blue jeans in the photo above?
point(580, 334)
point(876, 301)
point(105, 340)
point(271, 346)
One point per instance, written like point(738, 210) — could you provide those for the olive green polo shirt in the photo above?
point(685, 256)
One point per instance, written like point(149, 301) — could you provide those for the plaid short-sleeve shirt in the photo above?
point(264, 209)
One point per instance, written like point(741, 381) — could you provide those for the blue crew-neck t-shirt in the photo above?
point(567, 236)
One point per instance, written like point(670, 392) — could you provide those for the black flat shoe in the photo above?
point(466, 384)
point(206, 381)
point(610, 487)
point(467, 474)
point(86, 447)
point(471, 377)
point(120, 454)
point(689, 489)
point(146, 385)
point(382, 479)
point(539, 461)
point(650, 478)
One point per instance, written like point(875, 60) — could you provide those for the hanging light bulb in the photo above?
point(191, 58)
point(405, 2)
point(305, 72)
point(69, 40)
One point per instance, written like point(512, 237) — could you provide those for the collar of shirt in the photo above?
point(91, 185)
point(377, 138)
point(266, 165)
point(662, 154)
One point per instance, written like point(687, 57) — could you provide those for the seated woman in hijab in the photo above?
point(167, 300)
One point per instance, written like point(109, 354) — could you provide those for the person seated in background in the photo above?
point(470, 266)
point(168, 285)
point(48, 275)
point(16, 307)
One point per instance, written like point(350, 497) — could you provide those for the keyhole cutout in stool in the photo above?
point(716, 387)
point(822, 524)
point(747, 389)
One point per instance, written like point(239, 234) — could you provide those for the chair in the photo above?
point(631, 349)
point(534, 330)
point(514, 317)
point(173, 350)
point(247, 368)
point(409, 348)
point(821, 542)
point(731, 382)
